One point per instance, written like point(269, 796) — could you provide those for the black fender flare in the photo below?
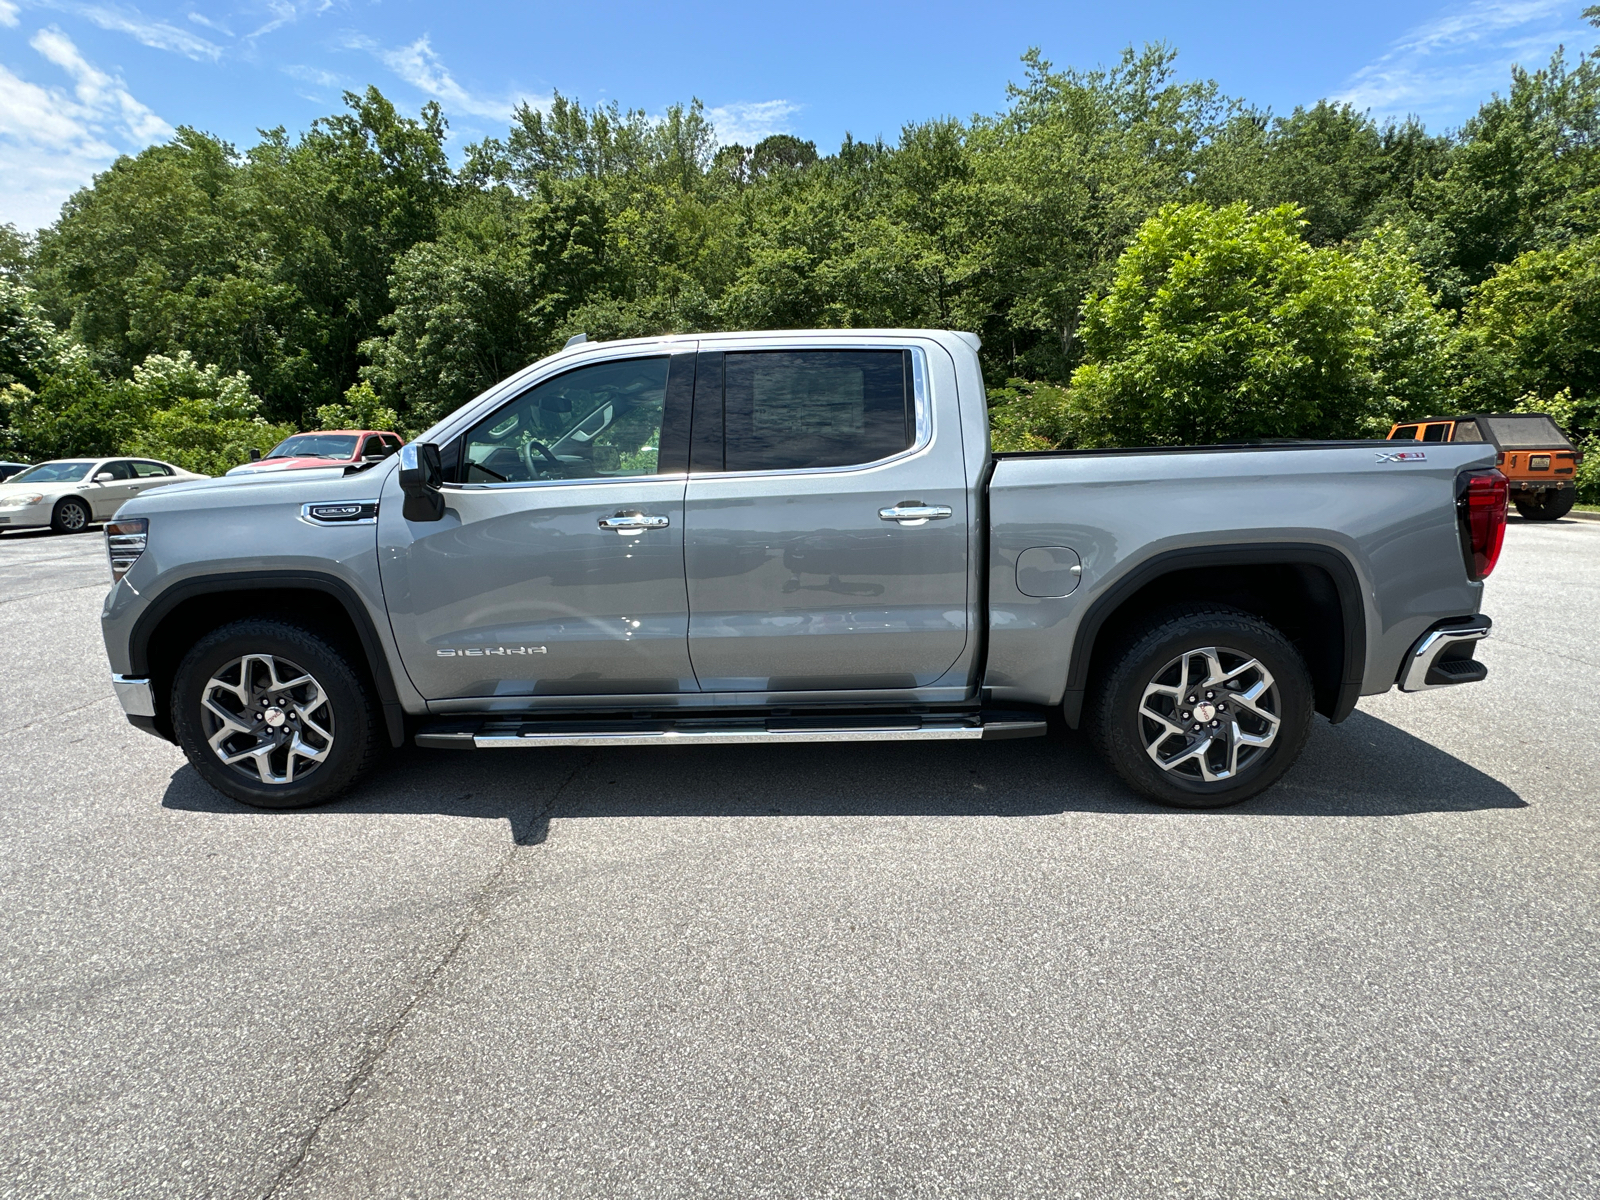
point(1248, 554)
point(246, 581)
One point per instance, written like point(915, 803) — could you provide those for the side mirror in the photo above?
point(255, 455)
point(421, 477)
point(104, 477)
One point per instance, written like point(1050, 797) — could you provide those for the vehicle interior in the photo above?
point(596, 422)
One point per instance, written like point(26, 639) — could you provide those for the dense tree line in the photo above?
point(1146, 260)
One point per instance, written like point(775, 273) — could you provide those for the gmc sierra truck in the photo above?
point(791, 537)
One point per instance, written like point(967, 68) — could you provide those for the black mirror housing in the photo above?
point(255, 454)
point(421, 477)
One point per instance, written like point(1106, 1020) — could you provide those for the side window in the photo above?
point(1467, 431)
point(390, 443)
point(1404, 433)
point(120, 469)
point(149, 470)
point(597, 422)
point(1434, 433)
point(787, 410)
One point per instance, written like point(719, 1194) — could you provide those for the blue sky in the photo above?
point(84, 80)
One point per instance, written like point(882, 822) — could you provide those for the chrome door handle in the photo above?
point(634, 522)
point(914, 514)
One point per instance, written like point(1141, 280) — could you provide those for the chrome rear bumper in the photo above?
point(1443, 657)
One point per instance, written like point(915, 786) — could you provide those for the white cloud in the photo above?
point(8, 14)
point(748, 123)
point(156, 34)
point(53, 141)
point(314, 75)
point(201, 19)
point(1443, 68)
point(419, 66)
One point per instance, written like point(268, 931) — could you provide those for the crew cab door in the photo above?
point(826, 526)
point(558, 566)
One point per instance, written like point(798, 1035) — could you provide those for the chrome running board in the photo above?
point(497, 734)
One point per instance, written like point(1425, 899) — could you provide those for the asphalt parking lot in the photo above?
point(974, 969)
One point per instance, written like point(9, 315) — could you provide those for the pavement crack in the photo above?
point(380, 1046)
point(66, 712)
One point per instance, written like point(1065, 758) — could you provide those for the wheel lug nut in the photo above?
point(1213, 724)
point(1209, 695)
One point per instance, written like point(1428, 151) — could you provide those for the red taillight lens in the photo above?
point(1481, 511)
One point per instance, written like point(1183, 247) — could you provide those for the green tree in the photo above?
point(195, 416)
point(1222, 324)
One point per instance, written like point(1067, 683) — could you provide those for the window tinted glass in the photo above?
point(120, 469)
point(1434, 433)
point(146, 470)
point(1404, 433)
point(1532, 432)
point(597, 422)
point(316, 445)
point(58, 472)
point(786, 410)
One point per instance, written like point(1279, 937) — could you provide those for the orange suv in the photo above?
point(1533, 454)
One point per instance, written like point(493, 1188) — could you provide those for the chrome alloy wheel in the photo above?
point(1209, 713)
point(74, 516)
point(267, 719)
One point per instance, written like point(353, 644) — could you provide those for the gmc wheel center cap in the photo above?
point(274, 717)
point(1204, 711)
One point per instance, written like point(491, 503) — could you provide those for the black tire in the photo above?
point(1551, 505)
point(71, 516)
point(346, 714)
point(1153, 655)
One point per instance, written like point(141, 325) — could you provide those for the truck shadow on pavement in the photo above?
point(1362, 768)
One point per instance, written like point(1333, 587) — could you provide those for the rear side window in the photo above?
point(1435, 433)
point(789, 410)
point(1466, 431)
point(1404, 433)
point(149, 470)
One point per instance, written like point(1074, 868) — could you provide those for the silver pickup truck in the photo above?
point(788, 537)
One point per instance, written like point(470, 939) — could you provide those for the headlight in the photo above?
point(22, 501)
point(125, 540)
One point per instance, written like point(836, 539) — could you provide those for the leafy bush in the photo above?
point(195, 416)
point(361, 409)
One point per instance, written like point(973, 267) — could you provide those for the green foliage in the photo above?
point(1118, 238)
point(1222, 325)
point(30, 347)
point(195, 416)
point(360, 409)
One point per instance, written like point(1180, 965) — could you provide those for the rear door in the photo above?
point(148, 474)
point(558, 567)
point(826, 528)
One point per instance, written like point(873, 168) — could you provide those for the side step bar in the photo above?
point(492, 734)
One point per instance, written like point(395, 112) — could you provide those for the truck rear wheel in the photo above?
point(1202, 707)
point(272, 715)
point(1550, 505)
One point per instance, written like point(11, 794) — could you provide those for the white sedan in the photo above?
point(69, 494)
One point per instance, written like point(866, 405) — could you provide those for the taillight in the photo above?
point(125, 541)
point(1481, 513)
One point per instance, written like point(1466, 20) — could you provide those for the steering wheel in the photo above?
point(544, 452)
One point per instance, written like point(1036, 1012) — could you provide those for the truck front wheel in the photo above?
point(273, 715)
point(1202, 707)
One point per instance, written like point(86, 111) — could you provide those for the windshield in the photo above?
point(56, 472)
point(1534, 431)
point(315, 445)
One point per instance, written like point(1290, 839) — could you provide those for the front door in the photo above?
point(826, 530)
point(557, 569)
point(111, 495)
